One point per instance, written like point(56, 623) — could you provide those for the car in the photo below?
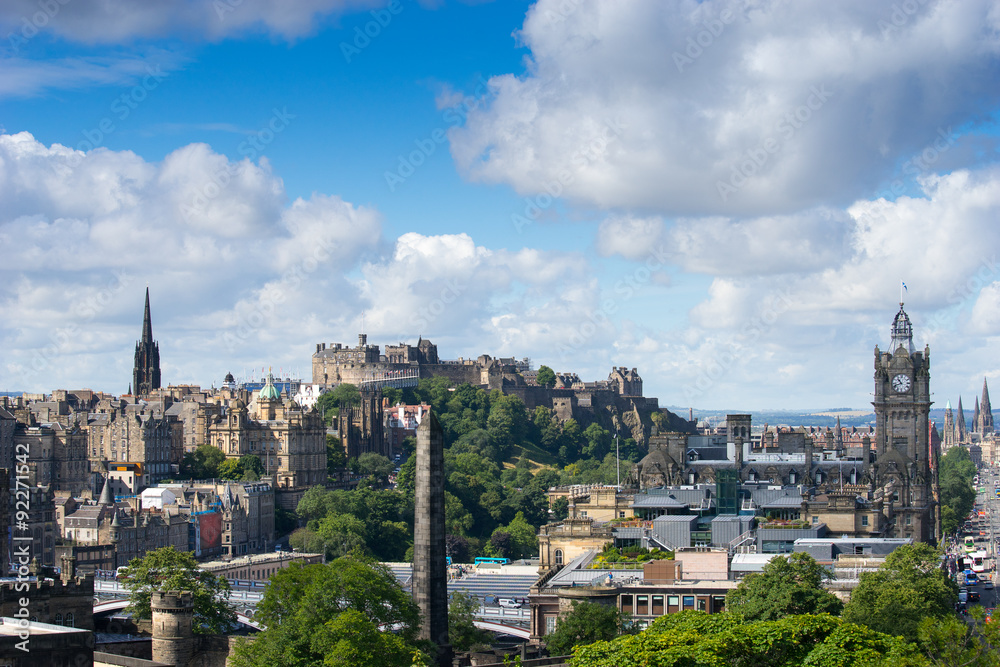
point(973, 596)
point(509, 603)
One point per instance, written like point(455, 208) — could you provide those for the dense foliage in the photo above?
point(909, 587)
point(787, 586)
point(587, 623)
point(696, 638)
point(167, 569)
point(957, 495)
point(334, 614)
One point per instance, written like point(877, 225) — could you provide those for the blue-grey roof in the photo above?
point(658, 502)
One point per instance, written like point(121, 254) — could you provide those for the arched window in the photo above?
point(559, 557)
point(57, 619)
point(752, 475)
point(69, 621)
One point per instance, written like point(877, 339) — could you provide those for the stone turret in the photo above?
point(173, 618)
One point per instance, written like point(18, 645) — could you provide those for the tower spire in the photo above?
point(146, 369)
point(147, 322)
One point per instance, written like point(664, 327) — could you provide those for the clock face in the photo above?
point(901, 382)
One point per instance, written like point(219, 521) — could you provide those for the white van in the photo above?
point(508, 603)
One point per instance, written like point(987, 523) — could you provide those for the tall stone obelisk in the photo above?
point(430, 574)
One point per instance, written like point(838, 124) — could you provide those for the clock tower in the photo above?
point(904, 473)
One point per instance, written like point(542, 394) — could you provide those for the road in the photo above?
point(989, 525)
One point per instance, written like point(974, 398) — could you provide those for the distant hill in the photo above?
point(819, 417)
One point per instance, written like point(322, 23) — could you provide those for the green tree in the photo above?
point(952, 641)
point(787, 585)
point(560, 508)
point(229, 469)
point(332, 615)
point(203, 462)
point(373, 464)
point(506, 425)
point(329, 403)
point(692, 638)
point(546, 377)
point(250, 468)
point(336, 459)
point(909, 587)
point(462, 633)
point(167, 569)
point(955, 476)
point(586, 623)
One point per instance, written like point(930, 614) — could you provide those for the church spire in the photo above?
point(960, 422)
point(146, 370)
point(985, 412)
point(147, 323)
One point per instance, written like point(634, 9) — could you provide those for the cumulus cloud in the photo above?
point(81, 232)
point(729, 108)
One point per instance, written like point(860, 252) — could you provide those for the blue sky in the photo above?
point(724, 195)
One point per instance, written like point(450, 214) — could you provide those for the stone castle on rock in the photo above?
point(616, 403)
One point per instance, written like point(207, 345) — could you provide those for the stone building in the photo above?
point(66, 600)
point(362, 427)
point(903, 479)
point(136, 433)
point(290, 440)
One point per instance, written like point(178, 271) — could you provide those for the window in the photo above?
point(69, 621)
point(688, 601)
point(702, 604)
point(57, 619)
point(621, 514)
point(550, 624)
point(626, 604)
point(815, 520)
point(673, 600)
point(690, 478)
point(864, 521)
point(657, 605)
point(793, 477)
point(559, 557)
point(895, 496)
point(642, 605)
point(909, 520)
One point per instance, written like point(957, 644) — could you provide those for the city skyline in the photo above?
point(723, 195)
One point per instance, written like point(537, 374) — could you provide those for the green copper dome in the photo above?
point(269, 391)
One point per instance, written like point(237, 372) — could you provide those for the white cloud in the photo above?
point(609, 109)
point(114, 21)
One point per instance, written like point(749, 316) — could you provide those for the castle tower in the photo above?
point(173, 617)
point(146, 370)
point(985, 423)
point(902, 468)
point(430, 582)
